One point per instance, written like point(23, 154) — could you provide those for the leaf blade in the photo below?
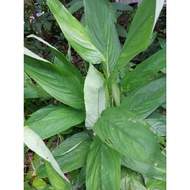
point(95, 96)
point(62, 85)
point(100, 23)
point(52, 120)
point(75, 33)
point(130, 135)
point(103, 167)
point(139, 34)
point(66, 64)
point(144, 71)
point(35, 143)
point(146, 98)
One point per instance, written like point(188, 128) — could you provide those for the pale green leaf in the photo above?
point(103, 167)
point(75, 33)
point(52, 120)
point(33, 55)
point(35, 143)
point(39, 183)
point(130, 135)
point(146, 98)
point(95, 96)
point(100, 22)
point(62, 85)
point(144, 71)
point(159, 6)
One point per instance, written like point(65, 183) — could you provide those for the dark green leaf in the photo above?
point(103, 167)
point(132, 180)
point(139, 34)
point(71, 154)
point(34, 91)
point(146, 169)
point(76, 6)
point(146, 98)
point(99, 17)
point(122, 6)
point(81, 177)
point(64, 63)
point(144, 71)
point(70, 144)
point(76, 158)
point(52, 120)
point(121, 31)
point(37, 26)
point(62, 85)
point(130, 135)
point(153, 184)
point(47, 25)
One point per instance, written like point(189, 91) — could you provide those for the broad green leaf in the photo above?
point(70, 144)
point(100, 23)
point(153, 184)
point(130, 135)
point(70, 154)
point(55, 179)
point(75, 33)
point(52, 120)
point(95, 96)
point(66, 65)
point(35, 143)
point(103, 167)
point(76, 158)
point(139, 34)
point(146, 98)
point(39, 183)
point(33, 91)
point(62, 85)
point(144, 71)
point(132, 180)
point(146, 169)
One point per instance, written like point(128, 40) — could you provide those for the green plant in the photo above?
point(120, 138)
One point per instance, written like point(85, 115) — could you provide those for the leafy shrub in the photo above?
point(119, 142)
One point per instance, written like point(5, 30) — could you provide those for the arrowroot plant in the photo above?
point(121, 144)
